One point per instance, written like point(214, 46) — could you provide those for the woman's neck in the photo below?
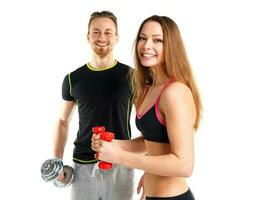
point(159, 77)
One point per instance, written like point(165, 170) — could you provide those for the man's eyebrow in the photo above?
point(97, 29)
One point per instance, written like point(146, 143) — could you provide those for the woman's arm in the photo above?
point(177, 106)
point(136, 145)
point(179, 111)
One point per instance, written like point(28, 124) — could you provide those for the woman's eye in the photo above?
point(158, 40)
point(142, 38)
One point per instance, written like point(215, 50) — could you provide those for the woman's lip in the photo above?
point(147, 55)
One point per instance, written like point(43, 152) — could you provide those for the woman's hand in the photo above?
point(141, 185)
point(96, 142)
point(107, 151)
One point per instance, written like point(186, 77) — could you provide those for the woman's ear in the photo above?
point(88, 37)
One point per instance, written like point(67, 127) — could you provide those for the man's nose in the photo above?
point(101, 36)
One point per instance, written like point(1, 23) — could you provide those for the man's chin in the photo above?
point(102, 52)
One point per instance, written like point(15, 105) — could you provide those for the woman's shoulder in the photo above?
point(176, 88)
point(176, 92)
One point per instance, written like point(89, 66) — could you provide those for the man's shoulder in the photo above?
point(124, 66)
point(78, 70)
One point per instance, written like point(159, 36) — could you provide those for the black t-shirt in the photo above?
point(103, 98)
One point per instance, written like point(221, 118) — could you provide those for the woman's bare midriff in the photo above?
point(162, 186)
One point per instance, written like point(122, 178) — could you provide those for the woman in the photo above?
point(168, 112)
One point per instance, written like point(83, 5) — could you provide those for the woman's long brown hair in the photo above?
point(176, 65)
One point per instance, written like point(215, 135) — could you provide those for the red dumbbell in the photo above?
point(106, 136)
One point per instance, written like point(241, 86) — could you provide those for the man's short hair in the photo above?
point(103, 14)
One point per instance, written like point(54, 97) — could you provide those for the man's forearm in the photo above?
point(60, 138)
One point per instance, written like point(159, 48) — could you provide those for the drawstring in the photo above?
point(94, 170)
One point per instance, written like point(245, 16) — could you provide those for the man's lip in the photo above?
point(102, 45)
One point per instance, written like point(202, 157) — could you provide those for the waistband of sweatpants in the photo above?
point(86, 161)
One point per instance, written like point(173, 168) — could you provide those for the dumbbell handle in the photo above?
point(106, 136)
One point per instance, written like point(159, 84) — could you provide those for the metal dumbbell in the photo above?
point(106, 136)
point(52, 168)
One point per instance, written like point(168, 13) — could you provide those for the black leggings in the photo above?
point(185, 196)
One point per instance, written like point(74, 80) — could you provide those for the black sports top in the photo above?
point(151, 125)
point(103, 98)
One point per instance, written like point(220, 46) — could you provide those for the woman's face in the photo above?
point(150, 45)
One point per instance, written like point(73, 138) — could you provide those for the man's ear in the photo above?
point(117, 37)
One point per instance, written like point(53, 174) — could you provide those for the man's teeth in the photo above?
point(101, 45)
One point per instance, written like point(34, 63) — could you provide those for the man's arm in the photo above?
point(60, 135)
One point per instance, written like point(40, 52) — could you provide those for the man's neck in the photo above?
point(98, 62)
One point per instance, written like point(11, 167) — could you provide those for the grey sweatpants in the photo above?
point(92, 183)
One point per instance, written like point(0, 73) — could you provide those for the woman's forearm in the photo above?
point(164, 165)
point(135, 145)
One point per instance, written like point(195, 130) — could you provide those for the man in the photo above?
point(102, 91)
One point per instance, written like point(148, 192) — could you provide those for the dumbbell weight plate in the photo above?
point(69, 177)
point(51, 169)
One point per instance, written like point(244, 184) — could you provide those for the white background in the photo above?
point(41, 41)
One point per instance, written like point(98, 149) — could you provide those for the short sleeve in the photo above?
point(67, 89)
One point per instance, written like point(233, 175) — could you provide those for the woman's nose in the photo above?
point(147, 44)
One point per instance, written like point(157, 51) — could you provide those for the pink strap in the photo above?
point(165, 86)
point(162, 121)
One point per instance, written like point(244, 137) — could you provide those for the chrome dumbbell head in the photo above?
point(52, 168)
point(69, 177)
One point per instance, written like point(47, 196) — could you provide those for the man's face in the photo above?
point(102, 36)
